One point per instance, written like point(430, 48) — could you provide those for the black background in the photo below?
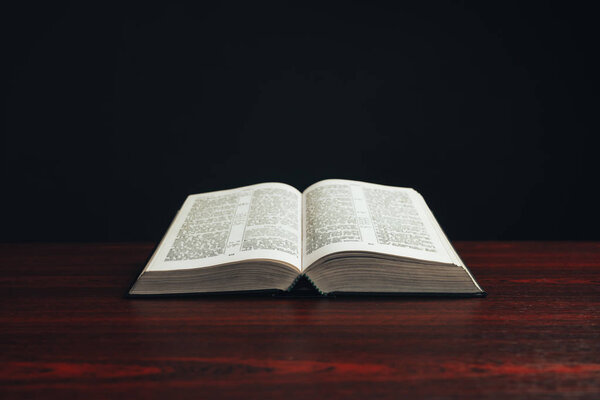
point(113, 113)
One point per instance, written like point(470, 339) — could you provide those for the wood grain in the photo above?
point(66, 330)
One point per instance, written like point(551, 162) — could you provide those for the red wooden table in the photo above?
point(66, 330)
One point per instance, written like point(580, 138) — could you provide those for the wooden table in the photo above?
point(66, 330)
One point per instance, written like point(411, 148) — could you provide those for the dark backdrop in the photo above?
point(113, 113)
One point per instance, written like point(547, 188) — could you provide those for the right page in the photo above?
point(343, 215)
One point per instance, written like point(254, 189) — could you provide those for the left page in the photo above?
point(253, 222)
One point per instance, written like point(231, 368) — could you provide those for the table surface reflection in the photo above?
point(67, 330)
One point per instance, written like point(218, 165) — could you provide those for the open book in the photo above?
point(343, 236)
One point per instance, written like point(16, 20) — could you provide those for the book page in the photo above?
point(254, 222)
point(343, 215)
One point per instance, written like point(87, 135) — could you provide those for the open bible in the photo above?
point(341, 236)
